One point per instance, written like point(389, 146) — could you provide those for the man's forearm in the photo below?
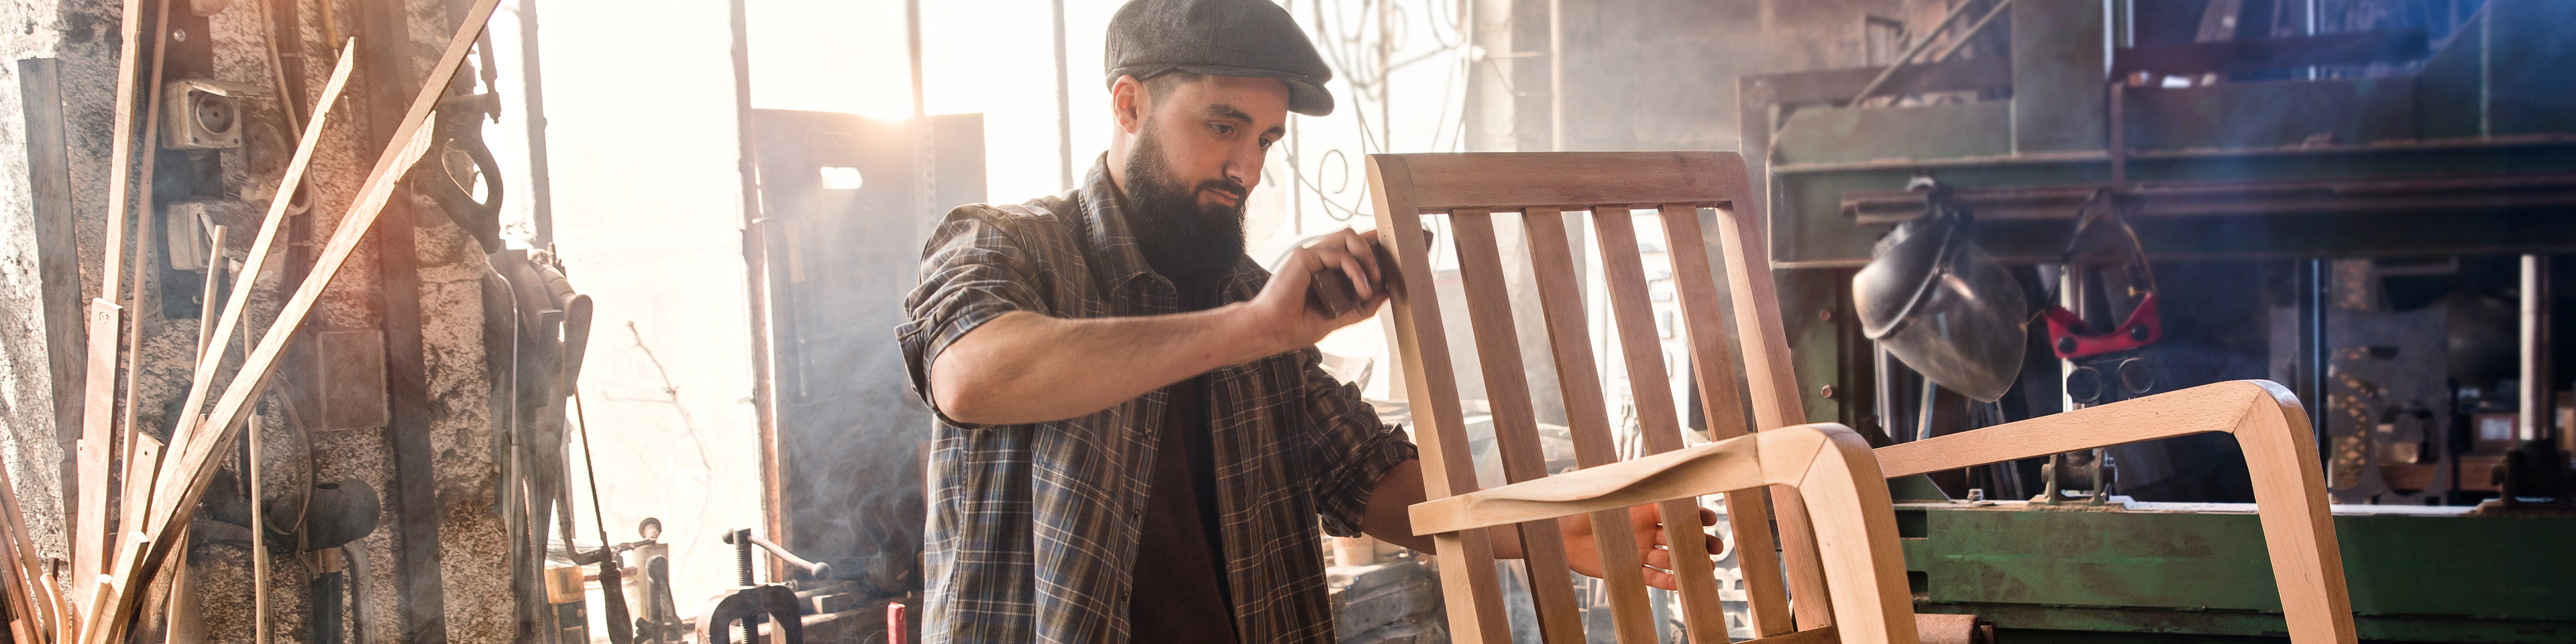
point(1390, 516)
point(1026, 368)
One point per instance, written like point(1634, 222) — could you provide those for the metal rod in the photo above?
point(1064, 104)
point(2313, 349)
point(1971, 32)
point(1556, 75)
point(912, 42)
point(1918, 47)
point(258, 541)
point(532, 95)
point(2539, 393)
point(1923, 412)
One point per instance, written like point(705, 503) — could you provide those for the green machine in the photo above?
point(2405, 145)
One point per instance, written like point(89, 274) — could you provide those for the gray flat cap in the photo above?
point(1238, 38)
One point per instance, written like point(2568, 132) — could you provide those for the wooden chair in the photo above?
point(1827, 465)
point(1846, 551)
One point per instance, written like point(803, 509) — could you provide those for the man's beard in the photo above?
point(1190, 244)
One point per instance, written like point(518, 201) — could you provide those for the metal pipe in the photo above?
point(1920, 45)
point(1923, 413)
point(532, 96)
point(1064, 104)
point(2314, 283)
point(2539, 399)
point(258, 541)
point(1556, 75)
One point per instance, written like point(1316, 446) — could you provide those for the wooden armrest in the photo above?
point(2280, 453)
point(1829, 465)
point(1731, 464)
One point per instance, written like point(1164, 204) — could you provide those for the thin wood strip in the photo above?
point(180, 487)
point(1748, 514)
point(90, 543)
point(129, 427)
point(1771, 380)
point(1489, 312)
point(136, 495)
point(1467, 557)
point(1587, 414)
point(210, 311)
point(1648, 386)
point(16, 554)
point(237, 305)
point(1819, 635)
point(94, 452)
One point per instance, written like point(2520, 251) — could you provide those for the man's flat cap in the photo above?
point(1238, 38)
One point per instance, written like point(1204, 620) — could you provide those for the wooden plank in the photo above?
point(1573, 180)
point(1587, 414)
point(93, 452)
point(136, 494)
point(49, 201)
point(1489, 311)
point(183, 483)
point(1723, 404)
point(17, 557)
point(1771, 384)
point(1474, 597)
point(1650, 389)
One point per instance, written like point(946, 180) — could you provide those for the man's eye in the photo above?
point(1221, 129)
point(1265, 143)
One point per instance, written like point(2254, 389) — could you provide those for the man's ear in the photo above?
point(1127, 100)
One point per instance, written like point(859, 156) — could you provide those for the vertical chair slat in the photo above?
point(1770, 379)
point(1746, 512)
point(1587, 414)
point(1467, 556)
point(1489, 311)
point(1625, 274)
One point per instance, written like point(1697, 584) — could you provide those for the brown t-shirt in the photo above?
point(1180, 592)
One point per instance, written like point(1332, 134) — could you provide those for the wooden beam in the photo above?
point(57, 248)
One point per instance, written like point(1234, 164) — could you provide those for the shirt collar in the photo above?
point(1104, 212)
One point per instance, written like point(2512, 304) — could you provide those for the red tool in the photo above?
point(894, 623)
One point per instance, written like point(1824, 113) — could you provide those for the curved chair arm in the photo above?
point(1831, 467)
point(2289, 481)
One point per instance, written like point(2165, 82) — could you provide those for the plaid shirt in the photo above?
point(1033, 528)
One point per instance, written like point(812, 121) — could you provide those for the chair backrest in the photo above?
point(1469, 189)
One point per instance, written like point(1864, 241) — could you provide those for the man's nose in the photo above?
point(1244, 166)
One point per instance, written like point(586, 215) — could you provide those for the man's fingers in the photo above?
point(1707, 517)
point(1661, 579)
point(1360, 248)
point(1659, 559)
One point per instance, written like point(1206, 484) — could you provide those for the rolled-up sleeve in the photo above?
point(1351, 449)
point(972, 271)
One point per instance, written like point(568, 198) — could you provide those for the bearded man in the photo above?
point(1136, 442)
